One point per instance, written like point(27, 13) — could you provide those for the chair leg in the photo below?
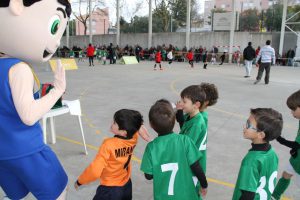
point(82, 134)
point(45, 130)
point(53, 134)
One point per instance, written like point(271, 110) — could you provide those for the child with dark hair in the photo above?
point(158, 59)
point(112, 163)
point(183, 161)
point(192, 101)
point(212, 95)
point(293, 167)
point(190, 57)
point(258, 171)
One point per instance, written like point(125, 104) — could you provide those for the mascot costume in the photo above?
point(30, 32)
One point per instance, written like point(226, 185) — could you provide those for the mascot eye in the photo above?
point(54, 24)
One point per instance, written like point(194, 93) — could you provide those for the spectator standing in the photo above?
point(256, 54)
point(222, 57)
point(201, 51)
point(137, 52)
point(290, 56)
point(204, 59)
point(257, 51)
point(267, 56)
point(248, 55)
point(90, 53)
point(111, 53)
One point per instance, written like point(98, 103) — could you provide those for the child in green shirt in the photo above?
point(172, 160)
point(194, 126)
point(258, 171)
point(103, 54)
point(293, 167)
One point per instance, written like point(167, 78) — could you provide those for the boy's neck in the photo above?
point(203, 109)
point(258, 141)
point(194, 113)
point(260, 147)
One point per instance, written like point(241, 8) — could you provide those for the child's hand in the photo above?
point(76, 186)
point(294, 152)
point(203, 192)
point(179, 105)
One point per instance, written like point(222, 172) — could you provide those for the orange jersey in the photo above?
point(112, 163)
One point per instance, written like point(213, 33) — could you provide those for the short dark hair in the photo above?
point(162, 117)
point(129, 121)
point(293, 101)
point(269, 121)
point(194, 93)
point(249, 43)
point(268, 42)
point(28, 3)
point(211, 93)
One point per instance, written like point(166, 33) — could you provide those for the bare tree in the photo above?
point(82, 13)
point(127, 12)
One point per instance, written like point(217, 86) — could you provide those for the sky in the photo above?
point(129, 6)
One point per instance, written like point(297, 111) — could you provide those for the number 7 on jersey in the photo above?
point(174, 168)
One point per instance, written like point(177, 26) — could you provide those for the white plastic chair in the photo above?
point(72, 107)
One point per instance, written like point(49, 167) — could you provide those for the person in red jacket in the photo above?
point(157, 59)
point(90, 53)
point(256, 54)
point(190, 57)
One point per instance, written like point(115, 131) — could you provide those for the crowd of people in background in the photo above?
point(168, 53)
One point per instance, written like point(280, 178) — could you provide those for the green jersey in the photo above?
point(103, 53)
point(257, 174)
point(168, 159)
point(196, 129)
point(295, 162)
point(205, 117)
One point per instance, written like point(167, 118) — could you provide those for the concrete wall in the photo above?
point(206, 39)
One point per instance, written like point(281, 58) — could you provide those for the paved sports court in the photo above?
point(103, 90)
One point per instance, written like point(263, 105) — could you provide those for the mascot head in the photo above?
point(31, 29)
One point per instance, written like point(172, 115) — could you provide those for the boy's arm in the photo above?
point(94, 170)
point(247, 195)
point(288, 143)
point(199, 173)
point(146, 165)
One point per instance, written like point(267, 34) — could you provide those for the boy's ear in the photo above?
point(262, 135)
point(198, 104)
point(16, 7)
